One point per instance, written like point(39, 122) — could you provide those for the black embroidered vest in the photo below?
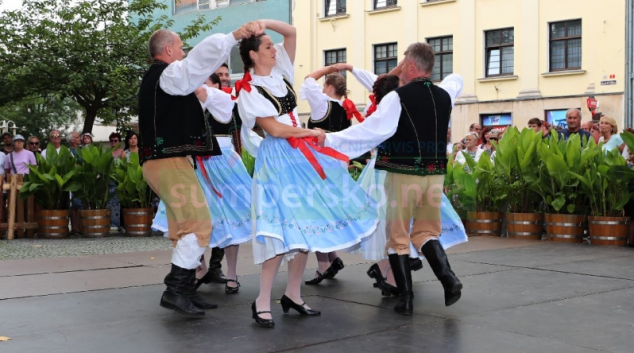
point(335, 119)
point(230, 129)
point(172, 126)
point(420, 143)
point(284, 105)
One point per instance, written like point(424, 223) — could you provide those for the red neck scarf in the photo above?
point(229, 90)
point(372, 108)
point(351, 110)
point(244, 83)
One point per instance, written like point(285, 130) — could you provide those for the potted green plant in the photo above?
point(135, 196)
point(516, 161)
point(94, 172)
point(604, 181)
point(560, 190)
point(460, 187)
point(50, 181)
point(487, 218)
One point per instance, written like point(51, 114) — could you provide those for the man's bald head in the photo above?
point(159, 40)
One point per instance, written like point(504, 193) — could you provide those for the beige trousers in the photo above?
point(417, 197)
point(174, 181)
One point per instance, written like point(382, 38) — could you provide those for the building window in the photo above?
point(379, 4)
point(565, 45)
point(497, 121)
point(236, 66)
point(384, 58)
point(203, 4)
point(335, 7)
point(499, 49)
point(334, 56)
point(182, 6)
point(443, 48)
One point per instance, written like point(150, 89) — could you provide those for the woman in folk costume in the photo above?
point(226, 185)
point(331, 111)
point(303, 197)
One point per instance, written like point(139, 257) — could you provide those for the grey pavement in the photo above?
point(518, 296)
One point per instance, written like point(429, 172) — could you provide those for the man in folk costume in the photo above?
point(174, 133)
point(410, 125)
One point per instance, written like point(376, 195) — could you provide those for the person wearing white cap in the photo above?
point(18, 161)
point(86, 138)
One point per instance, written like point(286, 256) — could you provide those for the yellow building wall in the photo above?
point(527, 94)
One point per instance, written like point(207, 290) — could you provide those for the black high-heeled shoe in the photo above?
point(287, 303)
point(267, 323)
point(316, 280)
point(386, 288)
point(232, 290)
point(335, 267)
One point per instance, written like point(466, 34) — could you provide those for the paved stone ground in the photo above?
point(518, 297)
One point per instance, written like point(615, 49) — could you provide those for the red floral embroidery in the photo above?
point(431, 168)
point(384, 159)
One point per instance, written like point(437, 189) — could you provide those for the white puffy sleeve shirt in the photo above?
point(381, 125)
point(182, 77)
point(252, 105)
point(219, 104)
point(312, 92)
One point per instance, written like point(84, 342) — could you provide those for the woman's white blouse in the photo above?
point(312, 92)
point(252, 105)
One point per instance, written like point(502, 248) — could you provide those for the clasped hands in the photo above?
point(320, 134)
point(253, 28)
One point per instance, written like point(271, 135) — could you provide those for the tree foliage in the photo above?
point(91, 51)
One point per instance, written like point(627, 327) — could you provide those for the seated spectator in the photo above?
point(471, 147)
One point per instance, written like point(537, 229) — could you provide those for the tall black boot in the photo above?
point(193, 295)
point(437, 258)
point(175, 296)
point(215, 266)
point(403, 277)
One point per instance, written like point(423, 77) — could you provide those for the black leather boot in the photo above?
point(437, 258)
point(215, 267)
point(176, 295)
point(403, 277)
point(193, 295)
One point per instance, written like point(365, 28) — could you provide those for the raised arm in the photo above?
point(287, 31)
point(182, 77)
point(365, 78)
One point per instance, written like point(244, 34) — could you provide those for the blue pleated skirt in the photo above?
point(295, 209)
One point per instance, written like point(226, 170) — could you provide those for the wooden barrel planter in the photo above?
point(95, 223)
point(608, 230)
point(565, 228)
point(52, 224)
point(137, 221)
point(485, 223)
point(525, 225)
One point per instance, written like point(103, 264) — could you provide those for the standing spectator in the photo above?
point(55, 140)
point(74, 142)
point(573, 119)
point(477, 128)
point(7, 139)
point(18, 161)
point(535, 124)
point(609, 134)
point(595, 132)
point(471, 147)
point(86, 139)
point(546, 127)
point(131, 145)
point(115, 139)
point(34, 145)
point(587, 125)
point(486, 144)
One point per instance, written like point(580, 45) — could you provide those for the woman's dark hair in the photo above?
point(383, 85)
point(483, 136)
point(215, 79)
point(129, 136)
point(338, 82)
point(115, 134)
point(246, 45)
point(535, 121)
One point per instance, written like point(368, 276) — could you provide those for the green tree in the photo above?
point(91, 51)
point(38, 115)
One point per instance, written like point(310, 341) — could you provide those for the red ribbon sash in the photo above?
point(206, 176)
point(303, 143)
point(229, 90)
